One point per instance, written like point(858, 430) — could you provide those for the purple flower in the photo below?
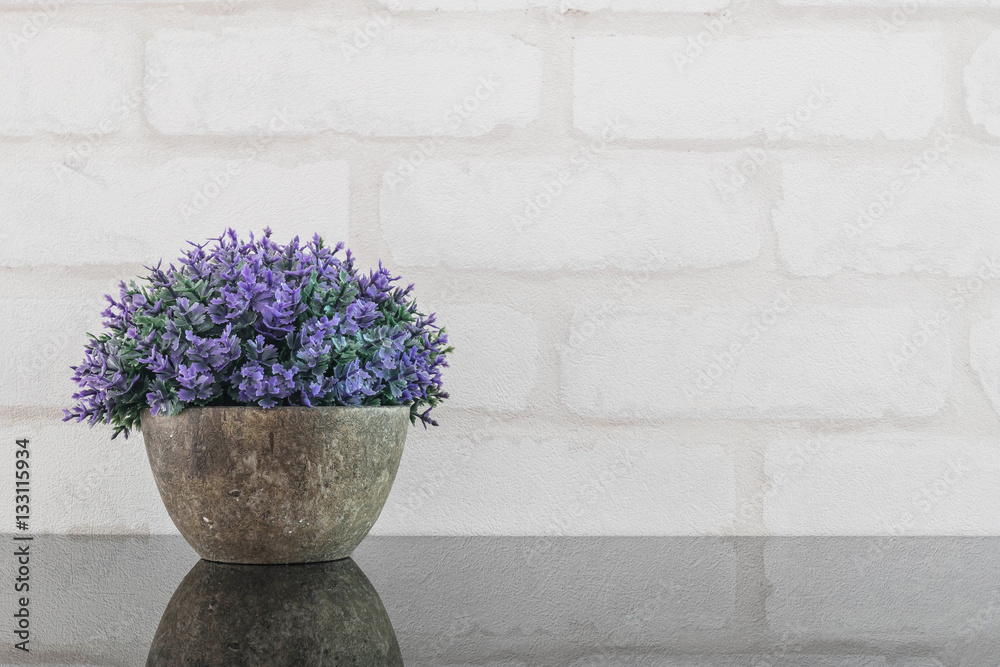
point(259, 323)
point(255, 322)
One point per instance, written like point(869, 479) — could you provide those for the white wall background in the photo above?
point(710, 268)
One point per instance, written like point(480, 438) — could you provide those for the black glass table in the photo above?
point(516, 601)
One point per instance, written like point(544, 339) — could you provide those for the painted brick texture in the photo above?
point(710, 267)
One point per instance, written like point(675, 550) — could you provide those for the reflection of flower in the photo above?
point(258, 323)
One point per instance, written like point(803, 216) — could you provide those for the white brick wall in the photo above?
point(933, 211)
point(709, 266)
point(85, 484)
point(981, 85)
point(493, 368)
point(661, 213)
point(44, 338)
point(797, 84)
point(984, 355)
point(783, 362)
point(911, 6)
point(60, 79)
point(117, 211)
point(297, 81)
point(883, 484)
point(563, 6)
point(558, 484)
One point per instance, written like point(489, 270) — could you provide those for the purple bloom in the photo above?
point(259, 323)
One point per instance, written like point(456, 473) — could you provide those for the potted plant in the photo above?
point(272, 384)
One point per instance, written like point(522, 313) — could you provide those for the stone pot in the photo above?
point(280, 485)
point(278, 616)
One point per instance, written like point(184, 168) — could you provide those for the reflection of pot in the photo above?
point(249, 615)
point(283, 485)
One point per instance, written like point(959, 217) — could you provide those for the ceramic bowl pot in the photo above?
point(280, 485)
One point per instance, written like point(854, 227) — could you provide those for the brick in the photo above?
point(44, 338)
point(793, 85)
point(895, 22)
point(494, 364)
point(50, 5)
point(890, 216)
point(140, 212)
point(453, 484)
point(63, 80)
point(895, 484)
point(297, 81)
point(984, 355)
point(665, 212)
point(82, 482)
point(982, 86)
point(562, 6)
point(863, 589)
point(780, 360)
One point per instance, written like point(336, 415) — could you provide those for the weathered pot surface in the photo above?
point(280, 485)
point(252, 616)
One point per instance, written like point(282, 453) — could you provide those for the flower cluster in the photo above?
point(259, 323)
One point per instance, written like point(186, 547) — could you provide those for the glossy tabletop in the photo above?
point(506, 602)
